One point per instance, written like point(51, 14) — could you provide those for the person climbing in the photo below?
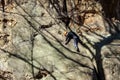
point(72, 35)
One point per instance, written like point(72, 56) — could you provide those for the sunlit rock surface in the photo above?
point(32, 45)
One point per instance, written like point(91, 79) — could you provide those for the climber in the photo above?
point(72, 35)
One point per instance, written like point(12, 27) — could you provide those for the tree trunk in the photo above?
point(111, 8)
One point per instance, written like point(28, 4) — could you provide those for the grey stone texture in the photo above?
point(27, 49)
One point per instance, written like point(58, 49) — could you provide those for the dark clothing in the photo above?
point(75, 37)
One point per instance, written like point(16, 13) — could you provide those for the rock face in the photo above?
point(32, 45)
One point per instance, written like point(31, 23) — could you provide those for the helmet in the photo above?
point(65, 33)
